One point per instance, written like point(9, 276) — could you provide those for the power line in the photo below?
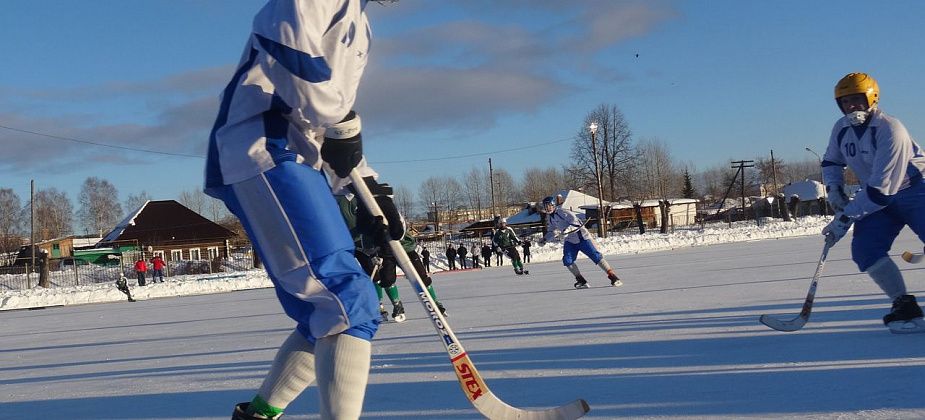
point(73, 140)
point(475, 154)
point(136, 149)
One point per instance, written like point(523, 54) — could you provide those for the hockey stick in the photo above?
point(794, 324)
point(469, 378)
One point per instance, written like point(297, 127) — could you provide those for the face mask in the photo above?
point(857, 117)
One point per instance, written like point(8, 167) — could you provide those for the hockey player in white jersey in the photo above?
point(889, 165)
point(285, 140)
point(565, 225)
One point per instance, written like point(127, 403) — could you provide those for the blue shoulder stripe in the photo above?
point(873, 137)
point(841, 135)
point(302, 65)
point(214, 176)
point(339, 15)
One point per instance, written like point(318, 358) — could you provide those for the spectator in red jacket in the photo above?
point(158, 264)
point(141, 267)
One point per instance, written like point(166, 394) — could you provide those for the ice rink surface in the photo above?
point(679, 340)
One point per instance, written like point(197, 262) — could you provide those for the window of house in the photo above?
point(176, 254)
point(213, 252)
point(159, 254)
point(194, 254)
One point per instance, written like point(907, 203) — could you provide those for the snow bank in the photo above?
point(616, 245)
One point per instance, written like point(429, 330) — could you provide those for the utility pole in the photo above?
point(774, 173)
point(491, 180)
point(31, 230)
point(436, 215)
point(741, 165)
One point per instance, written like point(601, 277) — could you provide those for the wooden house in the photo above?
point(171, 230)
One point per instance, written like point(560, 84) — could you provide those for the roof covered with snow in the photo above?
point(805, 190)
point(129, 220)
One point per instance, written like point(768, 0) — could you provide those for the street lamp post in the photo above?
point(825, 195)
point(597, 178)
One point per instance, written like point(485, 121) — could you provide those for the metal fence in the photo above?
point(66, 273)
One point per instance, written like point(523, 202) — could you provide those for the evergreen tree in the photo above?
point(688, 191)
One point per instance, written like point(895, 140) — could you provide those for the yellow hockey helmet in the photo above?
point(854, 83)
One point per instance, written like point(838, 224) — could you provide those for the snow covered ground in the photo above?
point(679, 340)
point(214, 283)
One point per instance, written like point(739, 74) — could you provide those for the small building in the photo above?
point(171, 230)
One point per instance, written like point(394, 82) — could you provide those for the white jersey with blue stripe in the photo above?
point(565, 222)
point(298, 75)
point(881, 153)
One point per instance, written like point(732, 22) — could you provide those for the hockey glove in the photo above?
point(343, 145)
point(374, 226)
point(837, 197)
point(837, 228)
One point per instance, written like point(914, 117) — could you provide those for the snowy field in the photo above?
point(679, 340)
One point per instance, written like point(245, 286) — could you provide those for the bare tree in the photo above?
point(135, 201)
point(475, 187)
point(12, 221)
point(99, 205)
point(799, 171)
point(656, 173)
point(404, 200)
point(193, 199)
point(452, 198)
point(538, 183)
point(506, 193)
point(54, 214)
point(767, 172)
point(428, 198)
point(216, 209)
point(615, 151)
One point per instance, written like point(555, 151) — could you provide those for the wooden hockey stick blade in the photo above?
point(912, 258)
point(791, 325)
point(784, 325)
point(470, 380)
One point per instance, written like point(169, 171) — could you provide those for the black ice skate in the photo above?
point(614, 280)
point(580, 282)
point(518, 271)
point(240, 413)
point(383, 314)
point(398, 312)
point(441, 309)
point(905, 316)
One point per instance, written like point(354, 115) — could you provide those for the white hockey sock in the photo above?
point(574, 269)
point(342, 363)
point(292, 371)
point(886, 274)
point(604, 266)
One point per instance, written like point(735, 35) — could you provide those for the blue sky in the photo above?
point(451, 83)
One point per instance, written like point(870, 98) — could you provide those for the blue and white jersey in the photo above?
point(298, 75)
point(564, 221)
point(881, 153)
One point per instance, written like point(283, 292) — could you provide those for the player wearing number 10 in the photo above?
point(889, 165)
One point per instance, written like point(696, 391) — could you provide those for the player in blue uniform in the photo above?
point(284, 142)
point(561, 223)
point(889, 165)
